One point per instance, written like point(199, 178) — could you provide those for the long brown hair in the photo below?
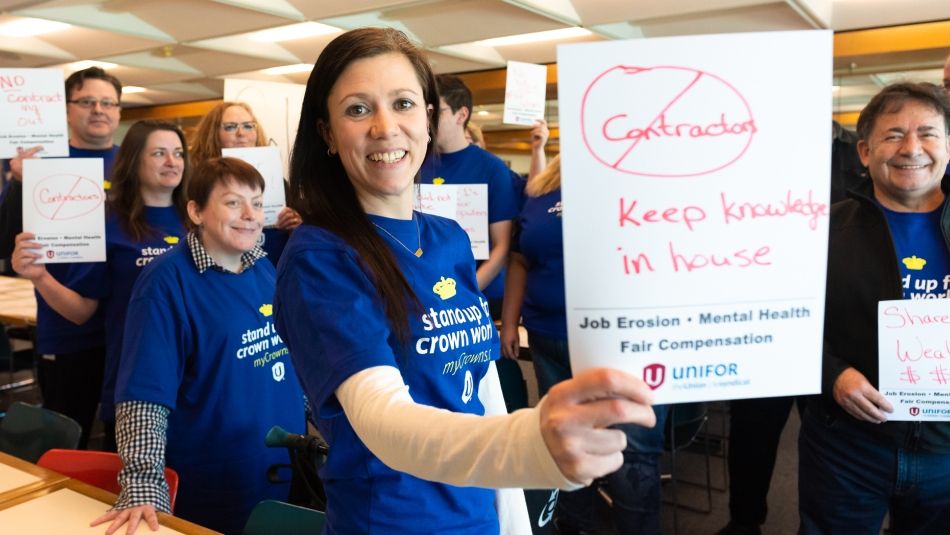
point(126, 190)
point(319, 185)
point(207, 142)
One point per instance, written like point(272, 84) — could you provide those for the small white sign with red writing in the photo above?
point(267, 162)
point(33, 112)
point(64, 205)
point(467, 204)
point(914, 358)
point(525, 90)
point(696, 210)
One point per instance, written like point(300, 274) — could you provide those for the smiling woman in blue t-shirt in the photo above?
point(203, 374)
point(145, 217)
point(380, 307)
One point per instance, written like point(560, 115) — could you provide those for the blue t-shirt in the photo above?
point(273, 241)
point(474, 165)
point(921, 253)
point(54, 333)
point(111, 281)
point(204, 345)
point(329, 312)
point(539, 240)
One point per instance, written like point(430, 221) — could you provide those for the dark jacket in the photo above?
point(862, 270)
point(11, 217)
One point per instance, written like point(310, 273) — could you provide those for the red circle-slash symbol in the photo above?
point(61, 197)
point(665, 121)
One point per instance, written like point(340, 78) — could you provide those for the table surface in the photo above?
point(55, 504)
point(18, 477)
point(17, 301)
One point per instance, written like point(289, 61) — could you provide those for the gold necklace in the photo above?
point(418, 251)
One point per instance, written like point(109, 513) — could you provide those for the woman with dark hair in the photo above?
point(390, 334)
point(203, 374)
point(233, 124)
point(145, 217)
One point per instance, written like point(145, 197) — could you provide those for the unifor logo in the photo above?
point(277, 370)
point(654, 375)
point(469, 388)
point(914, 411)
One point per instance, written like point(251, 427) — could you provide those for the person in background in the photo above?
point(71, 357)
point(369, 293)
point(229, 125)
point(534, 293)
point(539, 160)
point(474, 135)
point(145, 218)
point(203, 375)
point(889, 240)
point(946, 75)
point(460, 162)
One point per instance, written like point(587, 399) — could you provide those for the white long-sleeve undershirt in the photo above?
point(500, 451)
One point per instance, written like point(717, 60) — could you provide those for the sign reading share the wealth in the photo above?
point(914, 358)
point(696, 210)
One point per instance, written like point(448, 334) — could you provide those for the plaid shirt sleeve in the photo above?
point(140, 435)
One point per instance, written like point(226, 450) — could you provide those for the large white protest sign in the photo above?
point(525, 89)
point(696, 210)
point(914, 358)
point(64, 205)
point(267, 162)
point(33, 112)
point(467, 204)
point(276, 106)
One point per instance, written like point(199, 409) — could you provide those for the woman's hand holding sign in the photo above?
point(576, 414)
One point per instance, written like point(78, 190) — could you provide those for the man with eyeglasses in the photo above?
point(71, 357)
point(92, 113)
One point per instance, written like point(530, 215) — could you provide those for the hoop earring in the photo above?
point(329, 152)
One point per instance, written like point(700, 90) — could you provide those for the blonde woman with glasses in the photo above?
point(233, 124)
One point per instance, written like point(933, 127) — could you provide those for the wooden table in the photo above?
point(54, 504)
point(17, 302)
point(19, 478)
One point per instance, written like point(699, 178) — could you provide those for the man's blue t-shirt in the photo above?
point(333, 320)
point(474, 165)
point(539, 240)
point(54, 333)
point(111, 281)
point(204, 345)
point(921, 253)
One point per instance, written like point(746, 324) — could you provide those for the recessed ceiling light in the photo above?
point(28, 27)
point(484, 112)
point(129, 89)
point(552, 35)
point(293, 31)
point(85, 64)
point(289, 69)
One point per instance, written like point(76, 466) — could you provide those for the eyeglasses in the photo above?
point(90, 103)
point(249, 126)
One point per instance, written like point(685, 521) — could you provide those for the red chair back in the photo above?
point(97, 468)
